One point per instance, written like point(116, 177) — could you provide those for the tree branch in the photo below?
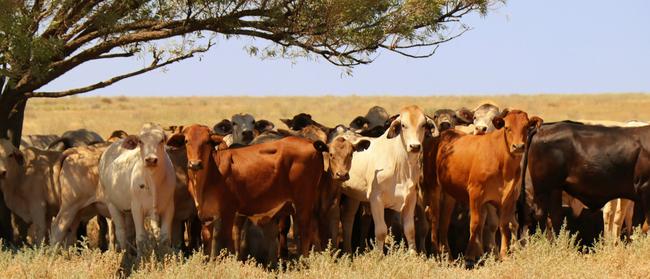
point(154, 65)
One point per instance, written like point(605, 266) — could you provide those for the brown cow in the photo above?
point(482, 170)
point(251, 180)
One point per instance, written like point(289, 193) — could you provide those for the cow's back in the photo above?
point(262, 175)
point(590, 161)
point(79, 173)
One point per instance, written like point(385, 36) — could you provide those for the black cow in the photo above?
point(592, 163)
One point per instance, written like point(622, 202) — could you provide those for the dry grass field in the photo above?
point(540, 258)
point(54, 116)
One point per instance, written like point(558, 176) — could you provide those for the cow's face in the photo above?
point(483, 116)
point(359, 123)
point(243, 128)
point(11, 159)
point(444, 119)
point(376, 116)
point(199, 142)
point(411, 126)
point(151, 141)
point(516, 125)
point(340, 155)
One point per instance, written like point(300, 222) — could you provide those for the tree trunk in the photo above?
point(12, 112)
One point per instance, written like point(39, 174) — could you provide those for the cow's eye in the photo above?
point(403, 126)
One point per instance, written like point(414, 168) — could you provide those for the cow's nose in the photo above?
point(151, 161)
point(415, 147)
point(195, 165)
point(517, 146)
point(481, 129)
point(343, 175)
point(247, 134)
point(3, 173)
point(445, 126)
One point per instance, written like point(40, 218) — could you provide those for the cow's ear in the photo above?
point(326, 162)
point(361, 145)
point(359, 122)
point(535, 122)
point(287, 122)
point(19, 157)
point(431, 127)
point(223, 128)
point(263, 125)
point(394, 129)
point(498, 122)
point(321, 146)
point(176, 140)
point(465, 116)
point(131, 142)
point(216, 139)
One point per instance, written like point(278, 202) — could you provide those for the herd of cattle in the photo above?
point(259, 191)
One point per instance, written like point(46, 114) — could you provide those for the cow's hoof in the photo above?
point(470, 264)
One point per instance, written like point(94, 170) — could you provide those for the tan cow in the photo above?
point(76, 174)
point(27, 186)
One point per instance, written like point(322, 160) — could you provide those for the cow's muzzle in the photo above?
point(342, 176)
point(151, 161)
point(445, 126)
point(247, 136)
point(195, 165)
point(517, 148)
point(480, 130)
point(415, 147)
point(3, 174)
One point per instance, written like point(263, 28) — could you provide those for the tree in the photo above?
point(42, 40)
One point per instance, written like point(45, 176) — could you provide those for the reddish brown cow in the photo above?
point(485, 169)
point(252, 180)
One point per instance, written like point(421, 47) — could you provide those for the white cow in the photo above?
point(137, 175)
point(386, 176)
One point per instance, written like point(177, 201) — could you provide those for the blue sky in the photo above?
point(524, 47)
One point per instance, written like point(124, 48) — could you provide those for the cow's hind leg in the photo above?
point(62, 223)
point(491, 223)
point(381, 230)
point(447, 210)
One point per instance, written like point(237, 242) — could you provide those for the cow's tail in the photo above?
point(67, 143)
point(522, 209)
point(56, 173)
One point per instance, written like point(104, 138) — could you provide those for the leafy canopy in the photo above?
point(42, 40)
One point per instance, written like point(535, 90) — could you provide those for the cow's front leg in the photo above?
point(166, 225)
point(140, 232)
point(37, 212)
point(408, 219)
point(350, 207)
point(119, 223)
point(474, 247)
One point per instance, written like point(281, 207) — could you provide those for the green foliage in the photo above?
point(42, 40)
